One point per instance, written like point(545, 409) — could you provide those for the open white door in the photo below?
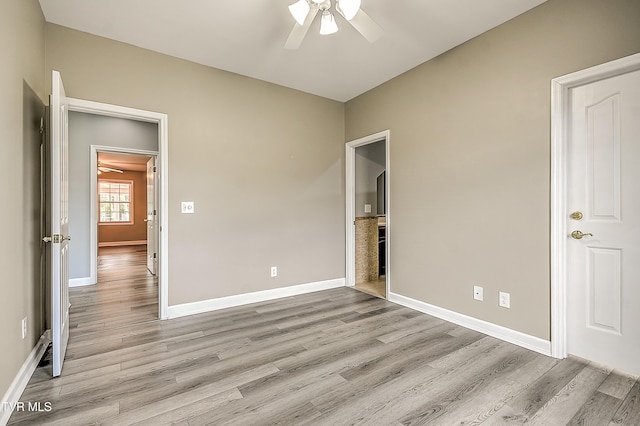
point(152, 236)
point(59, 238)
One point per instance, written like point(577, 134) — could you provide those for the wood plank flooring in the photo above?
point(126, 293)
point(336, 357)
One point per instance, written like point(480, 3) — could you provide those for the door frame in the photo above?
point(95, 149)
point(162, 120)
point(350, 177)
point(560, 125)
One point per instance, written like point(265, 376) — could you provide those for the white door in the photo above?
point(603, 291)
point(59, 223)
point(152, 236)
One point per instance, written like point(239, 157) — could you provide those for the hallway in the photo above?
point(126, 293)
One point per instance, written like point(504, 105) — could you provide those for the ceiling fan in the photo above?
point(305, 11)
point(104, 169)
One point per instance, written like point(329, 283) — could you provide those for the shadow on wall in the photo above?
point(34, 160)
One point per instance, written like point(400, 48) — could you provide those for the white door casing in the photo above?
point(59, 239)
point(596, 150)
point(162, 201)
point(152, 261)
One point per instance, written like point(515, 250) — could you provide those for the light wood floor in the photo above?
point(375, 288)
point(334, 357)
point(126, 293)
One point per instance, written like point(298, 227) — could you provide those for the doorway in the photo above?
point(368, 214)
point(61, 180)
point(595, 207)
point(159, 126)
point(124, 202)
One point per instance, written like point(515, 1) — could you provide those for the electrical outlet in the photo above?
point(367, 208)
point(505, 300)
point(24, 327)
point(274, 271)
point(478, 293)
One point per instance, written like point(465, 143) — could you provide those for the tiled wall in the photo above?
point(366, 249)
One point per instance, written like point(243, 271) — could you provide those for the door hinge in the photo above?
point(155, 169)
point(155, 212)
point(154, 255)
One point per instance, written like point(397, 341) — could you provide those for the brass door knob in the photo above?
point(577, 235)
point(56, 239)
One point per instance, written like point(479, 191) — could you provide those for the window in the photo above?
point(115, 201)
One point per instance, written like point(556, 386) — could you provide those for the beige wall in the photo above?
point(21, 91)
point(470, 157)
point(263, 164)
point(137, 230)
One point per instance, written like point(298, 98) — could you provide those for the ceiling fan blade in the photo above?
point(366, 26)
point(109, 169)
point(300, 31)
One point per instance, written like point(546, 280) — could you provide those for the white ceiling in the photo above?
point(247, 36)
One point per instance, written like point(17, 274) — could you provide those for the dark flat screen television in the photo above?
point(381, 194)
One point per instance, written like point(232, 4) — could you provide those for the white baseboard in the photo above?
point(21, 380)
point(244, 299)
point(79, 282)
point(508, 335)
point(122, 243)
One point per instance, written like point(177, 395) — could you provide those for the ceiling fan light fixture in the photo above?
point(349, 8)
point(328, 23)
point(299, 10)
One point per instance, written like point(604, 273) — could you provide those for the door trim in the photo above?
point(350, 177)
point(93, 175)
point(162, 120)
point(560, 87)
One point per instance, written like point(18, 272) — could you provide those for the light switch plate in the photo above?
point(188, 207)
point(367, 208)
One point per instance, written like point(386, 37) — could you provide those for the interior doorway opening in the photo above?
point(127, 234)
point(126, 201)
point(124, 237)
point(115, 225)
point(368, 214)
